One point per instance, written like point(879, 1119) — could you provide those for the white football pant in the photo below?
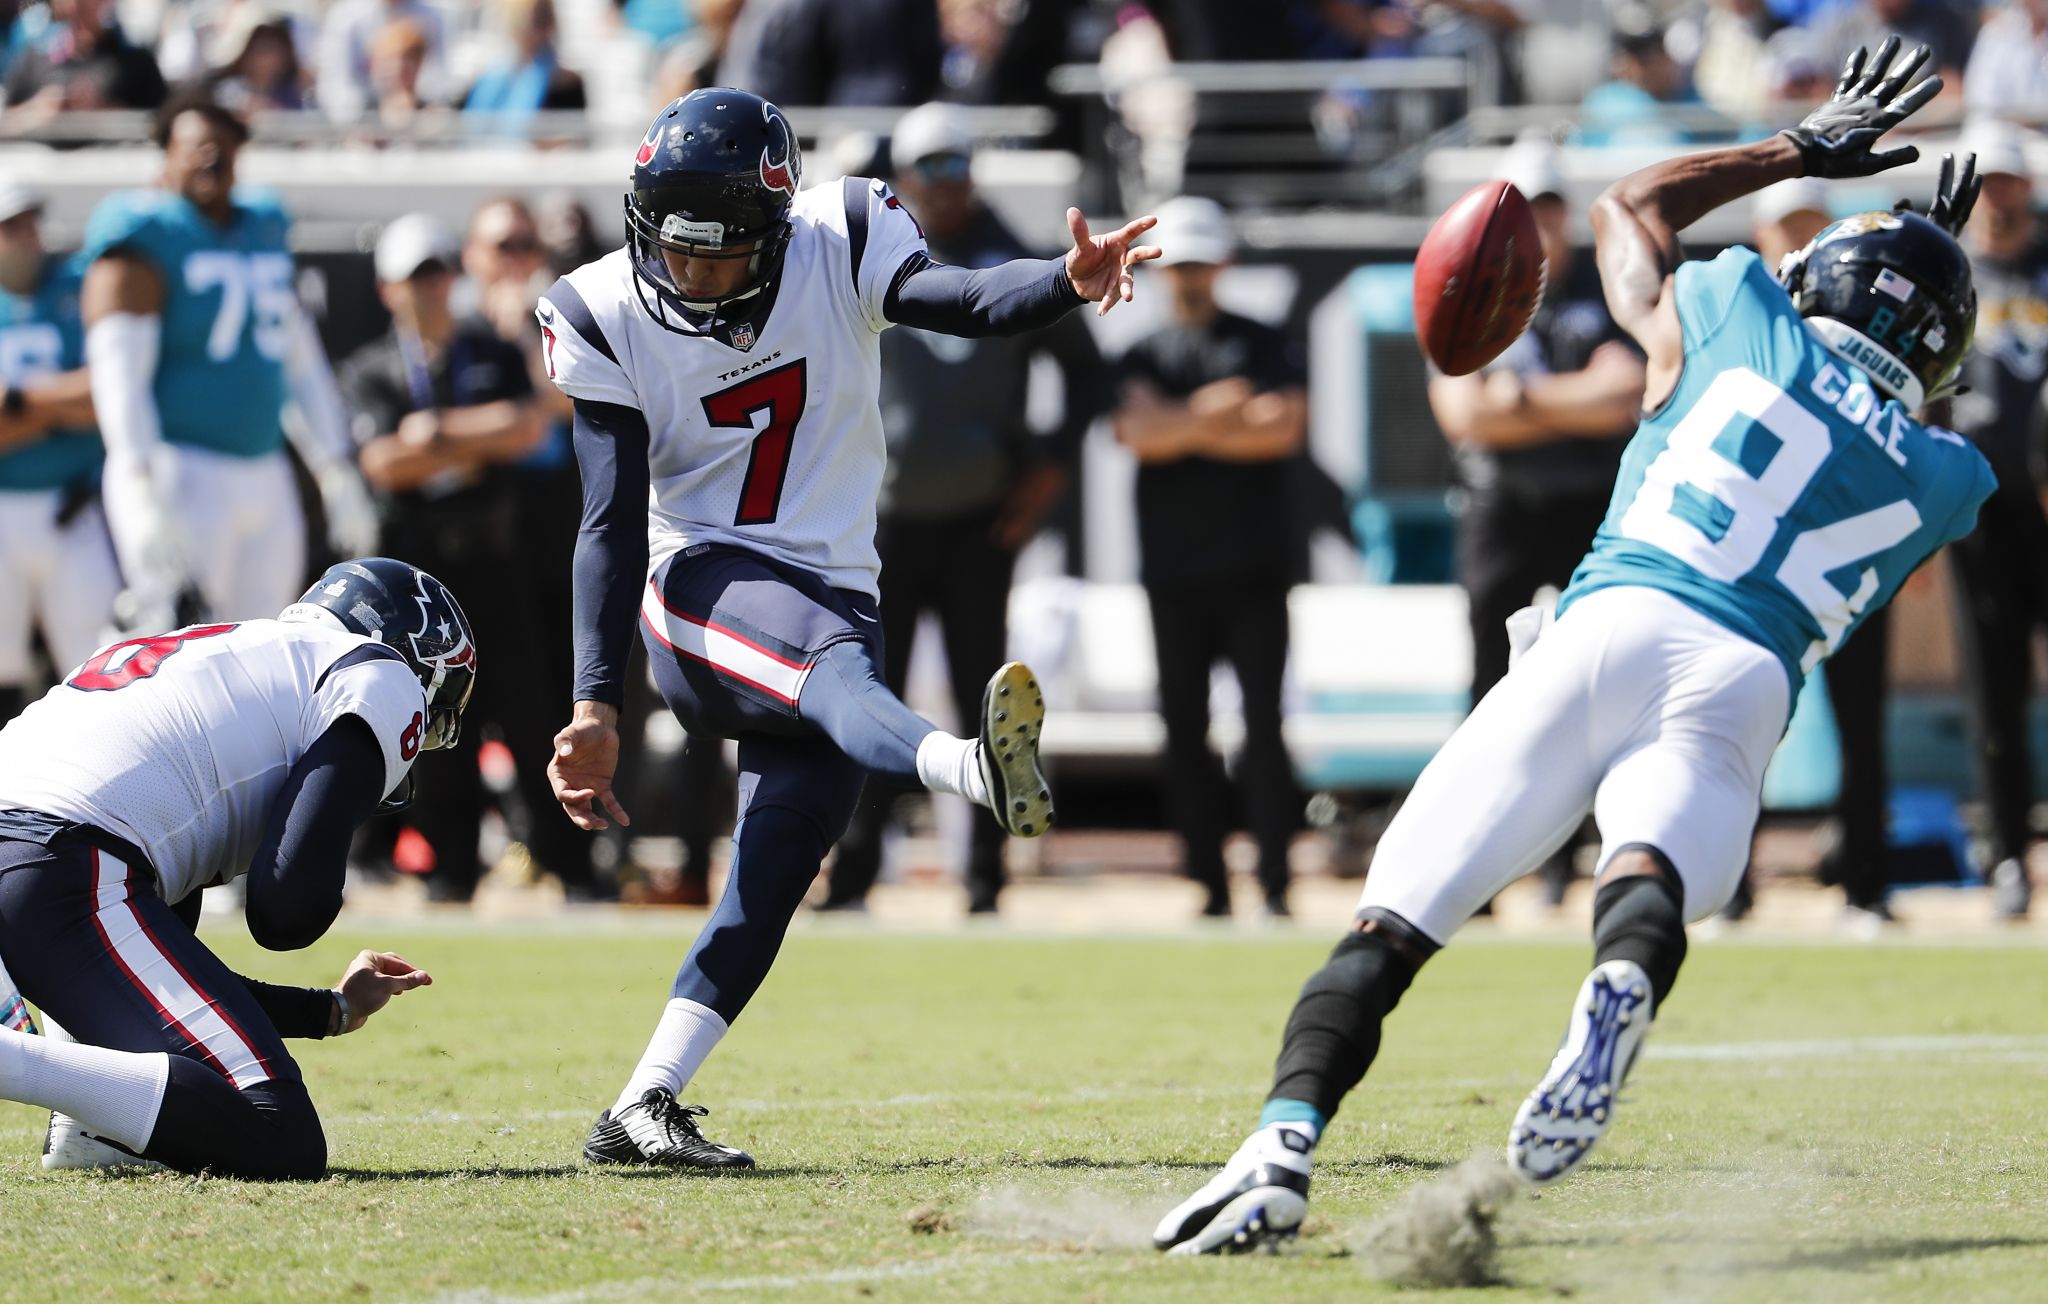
point(1632, 706)
point(60, 579)
point(243, 529)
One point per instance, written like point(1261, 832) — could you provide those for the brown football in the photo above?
point(1478, 278)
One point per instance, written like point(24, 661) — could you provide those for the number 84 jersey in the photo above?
point(767, 436)
point(1777, 491)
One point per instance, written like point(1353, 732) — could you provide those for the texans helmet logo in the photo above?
point(646, 151)
point(777, 175)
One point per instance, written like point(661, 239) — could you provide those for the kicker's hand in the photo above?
point(1838, 138)
point(586, 757)
point(1100, 266)
point(372, 979)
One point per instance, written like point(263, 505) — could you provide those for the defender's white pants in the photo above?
point(60, 579)
point(1633, 706)
point(242, 525)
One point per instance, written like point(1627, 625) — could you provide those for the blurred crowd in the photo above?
point(391, 65)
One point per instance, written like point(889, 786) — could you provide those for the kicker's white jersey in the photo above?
point(777, 446)
point(180, 743)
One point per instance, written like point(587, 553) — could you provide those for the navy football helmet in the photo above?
point(411, 612)
point(1892, 292)
point(714, 178)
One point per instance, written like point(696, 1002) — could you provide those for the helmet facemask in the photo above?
point(646, 239)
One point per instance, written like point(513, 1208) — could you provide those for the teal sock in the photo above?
point(1293, 1111)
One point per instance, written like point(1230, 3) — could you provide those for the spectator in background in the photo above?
point(1796, 70)
point(835, 52)
point(262, 75)
point(2008, 68)
point(692, 63)
point(1629, 109)
point(442, 406)
point(57, 571)
point(349, 39)
point(968, 482)
point(1538, 436)
point(398, 63)
point(659, 23)
point(532, 80)
point(1734, 40)
point(2001, 570)
point(1213, 408)
point(568, 236)
point(1946, 27)
point(79, 60)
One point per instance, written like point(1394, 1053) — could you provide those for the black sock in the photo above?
point(1334, 1031)
point(1642, 918)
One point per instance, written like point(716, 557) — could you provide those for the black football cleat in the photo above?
point(1012, 718)
point(659, 1132)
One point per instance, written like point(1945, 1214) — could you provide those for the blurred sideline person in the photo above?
point(1538, 436)
point(443, 406)
point(57, 572)
point(287, 734)
point(197, 342)
point(1212, 407)
point(725, 368)
point(1777, 489)
point(968, 482)
point(2001, 571)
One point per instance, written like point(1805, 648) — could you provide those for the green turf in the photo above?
point(1018, 1099)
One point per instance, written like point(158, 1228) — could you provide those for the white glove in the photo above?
point(352, 525)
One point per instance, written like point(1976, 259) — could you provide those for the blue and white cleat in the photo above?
point(1258, 1200)
point(1573, 1106)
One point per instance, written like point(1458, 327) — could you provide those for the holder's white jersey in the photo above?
point(768, 437)
point(180, 743)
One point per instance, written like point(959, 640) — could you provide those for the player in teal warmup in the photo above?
point(198, 346)
point(1778, 490)
point(57, 571)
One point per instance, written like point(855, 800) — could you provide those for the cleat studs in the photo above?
point(1002, 716)
point(1027, 829)
point(1020, 808)
point(1004, 691)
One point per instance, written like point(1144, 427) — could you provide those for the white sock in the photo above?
point(115, 1093)
point(682, 1041)
point(947, 763)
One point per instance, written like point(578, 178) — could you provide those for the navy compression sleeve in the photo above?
point(611, 547)
point(1010, 298)
point(295, 881)
point(293, 1011)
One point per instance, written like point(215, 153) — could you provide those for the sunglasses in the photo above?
point(517, 244)
point(939, 168)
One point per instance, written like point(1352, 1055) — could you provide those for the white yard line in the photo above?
point(670, 1287)
point(1847, 1047)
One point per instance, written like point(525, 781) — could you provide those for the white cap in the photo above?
point(1531, 165)
point(410, 242)
point(1999, 146)
point(16, 198)
point(929, 129)
point(1192, 230)
point(1778, 201)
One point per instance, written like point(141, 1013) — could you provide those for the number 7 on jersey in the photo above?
point(781, 394)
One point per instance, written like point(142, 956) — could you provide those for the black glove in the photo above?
point(1954, 196)
point(1836, 139)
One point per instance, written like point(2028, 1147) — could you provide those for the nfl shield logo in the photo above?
point(743, 336)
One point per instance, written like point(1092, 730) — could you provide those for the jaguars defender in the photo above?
point(57, 572)
point(197, 343)
point(174, 762)
point(1777, 491)
point(725, 367)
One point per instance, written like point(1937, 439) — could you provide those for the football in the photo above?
point(1478, 278)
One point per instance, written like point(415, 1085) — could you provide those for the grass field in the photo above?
point(1003, 1117)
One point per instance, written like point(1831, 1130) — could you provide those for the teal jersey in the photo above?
point(220, 380)
point(40, 335)
point(1777, 492)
